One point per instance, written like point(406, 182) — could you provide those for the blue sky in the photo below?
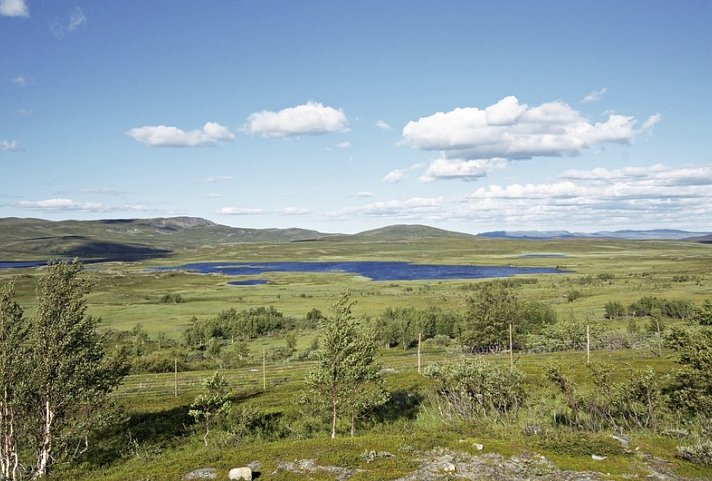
point(345, 116)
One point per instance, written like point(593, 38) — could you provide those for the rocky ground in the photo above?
point(447, 464)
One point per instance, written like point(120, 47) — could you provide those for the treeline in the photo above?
point(490, 310)
point(648, 306)
point(232, 324)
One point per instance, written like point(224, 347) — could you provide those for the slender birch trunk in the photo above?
point(9, 457)
point(44, 456)
point(333, 418)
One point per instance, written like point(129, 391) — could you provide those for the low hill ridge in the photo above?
point(128, 238)
point(405, 232)
point(648, 234)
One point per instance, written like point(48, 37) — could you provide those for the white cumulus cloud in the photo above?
point(168, 136)
point(654, 196)
point(394, 176)
point(8, 145)
point(656, 176)
point(468, 170)
point(312, 118)
point(344, 145)
point(383, 125)
point(14, 8)
point(648, 196)
point(511, 130)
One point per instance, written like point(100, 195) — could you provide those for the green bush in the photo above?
point(231, 324)
point(572, 295)
point(635, 402)
point(171, 298)
point(700, 453)
point(477, 389)
point(159, 362)
point(614, 310)
point(691, 388)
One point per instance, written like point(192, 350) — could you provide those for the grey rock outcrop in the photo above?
point(202, 473)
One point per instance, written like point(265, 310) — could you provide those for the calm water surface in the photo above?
point(374, 270)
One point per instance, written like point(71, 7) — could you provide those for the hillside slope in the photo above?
point(125, 239)
point(403, 232)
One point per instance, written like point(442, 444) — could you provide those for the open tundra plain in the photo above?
point(569, 427)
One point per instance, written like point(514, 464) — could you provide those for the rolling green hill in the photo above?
point(127, 238)
point(131, 239)
point(406, 232)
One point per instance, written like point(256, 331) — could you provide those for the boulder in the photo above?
point(244, 473)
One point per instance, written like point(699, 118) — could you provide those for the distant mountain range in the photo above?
point(130, 239)
point(652, 234)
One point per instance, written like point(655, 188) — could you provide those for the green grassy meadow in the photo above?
point(127, 293)
point(161, 447)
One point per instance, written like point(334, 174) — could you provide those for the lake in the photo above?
point(374, 270)
point(21, 264)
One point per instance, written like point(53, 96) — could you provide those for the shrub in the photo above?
point(634, 402)
point(493, 309)
point(231, 324)
point(278, 353)
point(171, 298)
point(572, 295)
point(158, 362)
point(691, 389)
point(614, 310)
point(703, 313)
point(571, 334)
point(651, 306)
point(249, 422)
point(700, 453)
point(477, 389)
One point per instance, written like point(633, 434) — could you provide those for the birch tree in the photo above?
point(70, 377)
point(212, 404)
point(367, 390)
point(13, 329)
point(345, 362)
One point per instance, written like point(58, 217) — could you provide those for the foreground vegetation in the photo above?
point(643, 402)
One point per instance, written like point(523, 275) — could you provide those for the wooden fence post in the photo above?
point(264, 369)
point(511, 350)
